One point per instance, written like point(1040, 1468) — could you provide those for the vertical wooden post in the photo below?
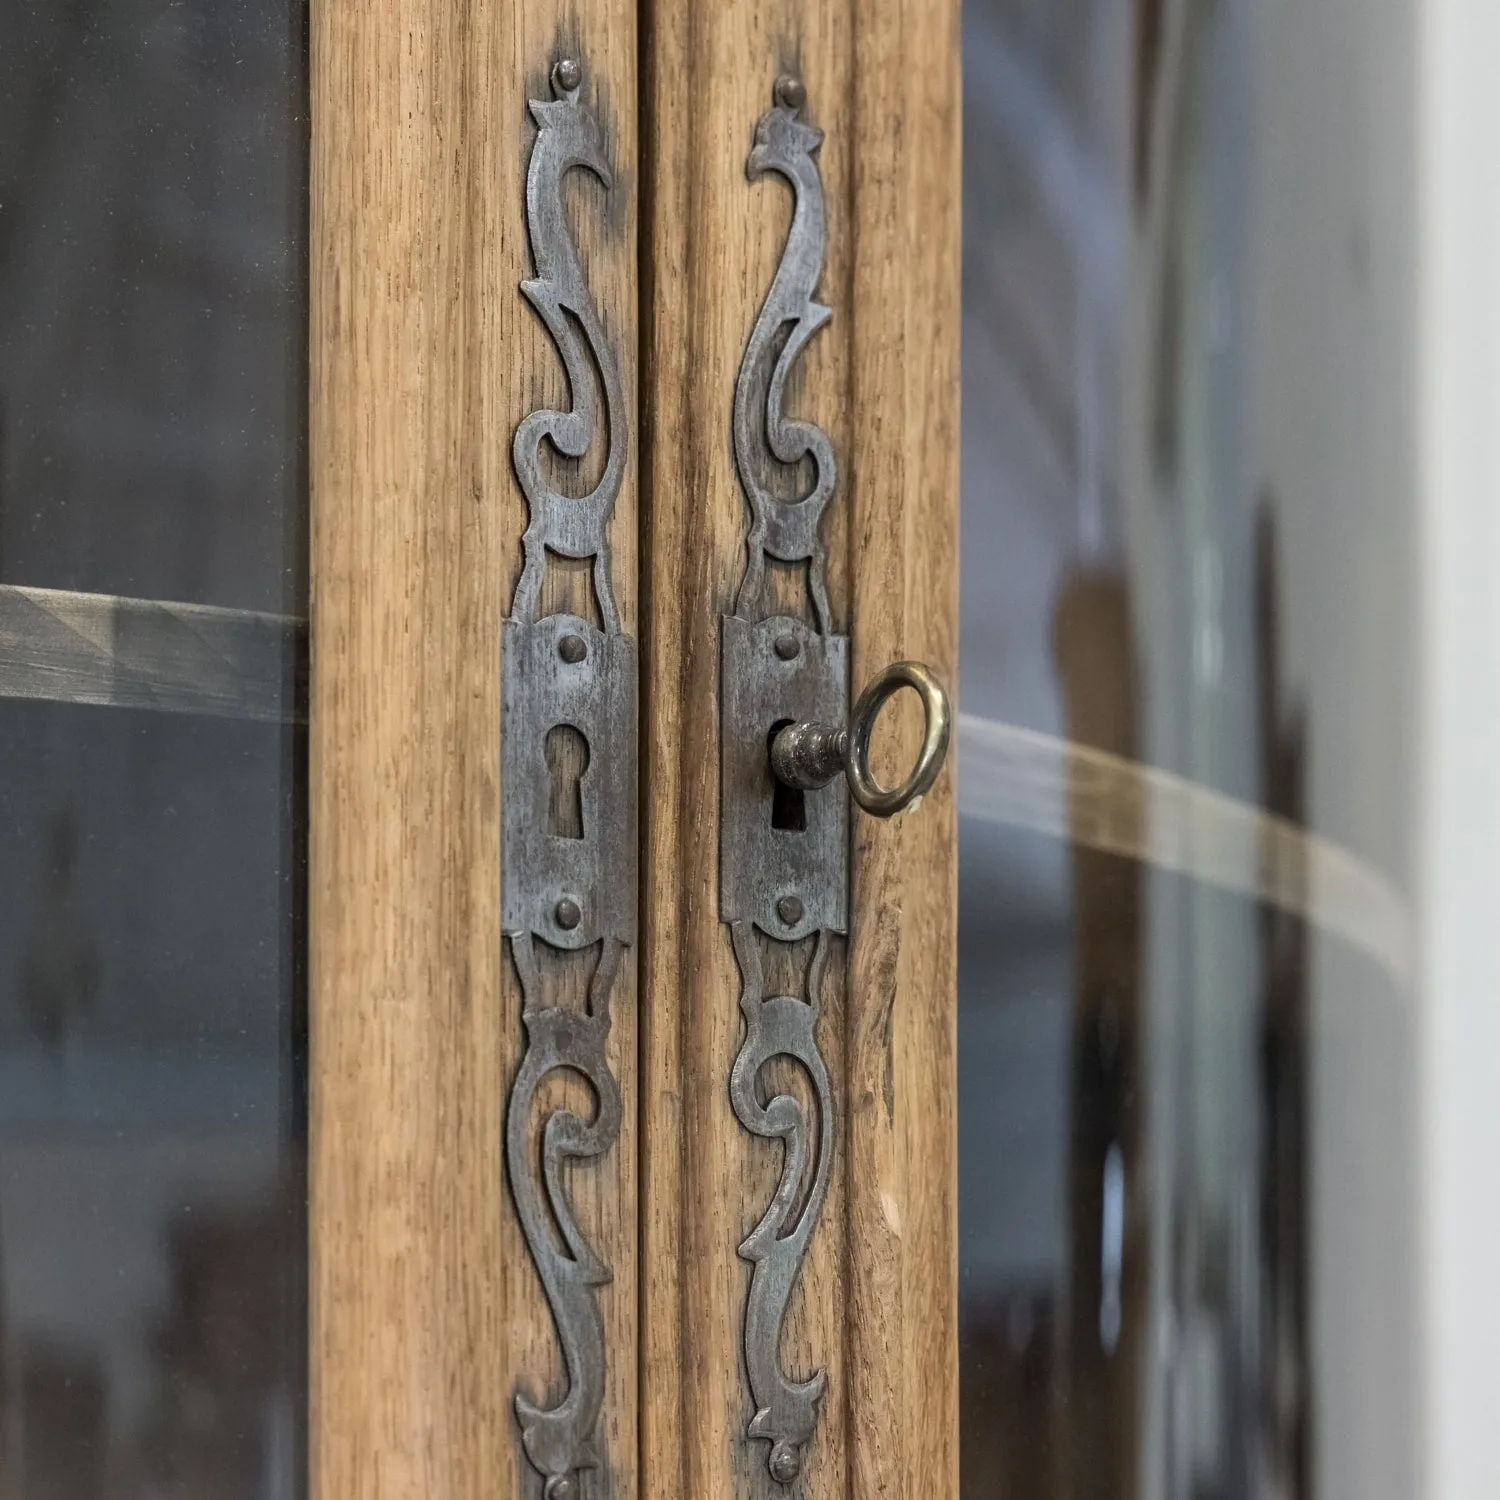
point(713, 242)
point(426, 1311)
point(877, 1304)
point(902, 1153)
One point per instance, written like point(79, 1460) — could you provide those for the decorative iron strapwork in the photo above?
point(784, 865)
point(566, 889)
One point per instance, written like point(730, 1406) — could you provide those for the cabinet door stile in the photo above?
point(428, 1314)
point(874, 1306)
point(902, 1157)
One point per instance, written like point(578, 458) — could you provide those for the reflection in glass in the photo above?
point(152, 838)
point(1186, 1083)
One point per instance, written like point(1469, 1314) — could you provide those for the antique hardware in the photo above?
point(784, 842)
point(566, 888)
point(808, 755)
point(781, 867)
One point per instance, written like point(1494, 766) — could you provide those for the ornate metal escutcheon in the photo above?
point(784, 841)
point(566, 888)
point(783, 876)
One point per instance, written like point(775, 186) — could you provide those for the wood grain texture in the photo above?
point(877, 1304)
point(425, 1307)
point(712, 246)
point(901, 1156)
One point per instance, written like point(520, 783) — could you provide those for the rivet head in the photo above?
point(568, 915)
point(568, 74)
point(790, 910)
point(562, 1487)
point(572, 649)
point(788, 647)
point(785, 1462)
point(791, 91)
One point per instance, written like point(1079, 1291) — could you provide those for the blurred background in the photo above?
point(1229, 671)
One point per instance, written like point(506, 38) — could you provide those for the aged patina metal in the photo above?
point(809, 754)
point(783, 862)
point(761, 863)
point(764, 438)
point(786, 1411)
point(566, 889)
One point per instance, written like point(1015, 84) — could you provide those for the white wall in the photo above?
point(1459, 903)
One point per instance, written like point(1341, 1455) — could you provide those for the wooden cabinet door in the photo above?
point(428, 1312)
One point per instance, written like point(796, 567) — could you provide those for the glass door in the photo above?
point(153, 577)
point(1217, 953)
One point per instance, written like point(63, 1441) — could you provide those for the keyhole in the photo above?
point(788, 803)
point(567, 759)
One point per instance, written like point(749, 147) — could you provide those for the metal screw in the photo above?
point(789, 909)
point(568, 914)
point(788, 647)
point(791, 91)
point(562, 1487)
point(785, 1462)
point(568, 74)
point(572, 649)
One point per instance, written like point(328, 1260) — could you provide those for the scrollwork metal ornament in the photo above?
point(785, 880)
point(786, 1411)
point(566, 891)
point(787, 145)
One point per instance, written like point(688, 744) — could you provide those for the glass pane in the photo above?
point(153, 172)
point(1189, 1204)
point(152, 692)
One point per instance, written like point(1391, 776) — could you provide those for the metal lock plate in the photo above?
point(594, 693)
point(774, 672)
